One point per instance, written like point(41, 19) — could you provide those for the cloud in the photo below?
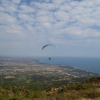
point(16, 1)
point(61, 15)
point(7, 19)
point(52, 21)
point(26, 9)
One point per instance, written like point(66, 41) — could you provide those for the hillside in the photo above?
point(87, 90)
point(28, 79)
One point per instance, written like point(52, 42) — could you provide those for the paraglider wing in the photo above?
point(49, 45)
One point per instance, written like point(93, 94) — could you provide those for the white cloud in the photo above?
point(26, 9)
point(7, 19)
point(65, 7)
point(83, 33)
point(1, 8)
point(58, 1)
point(61, 15)
point(26, 17)
point(16, 1)
point(57, 21)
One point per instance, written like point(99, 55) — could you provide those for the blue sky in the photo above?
point(72, 25)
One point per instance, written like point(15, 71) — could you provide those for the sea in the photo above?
point(90, 64)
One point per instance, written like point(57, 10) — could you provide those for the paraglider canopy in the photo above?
point(49, 45)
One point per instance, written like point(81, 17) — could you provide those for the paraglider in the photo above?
point(49, 45)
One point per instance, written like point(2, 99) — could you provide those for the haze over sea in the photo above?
point(84, 63)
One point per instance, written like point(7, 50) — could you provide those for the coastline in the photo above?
point(84, 63)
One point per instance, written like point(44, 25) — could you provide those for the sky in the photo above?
point(72, 25)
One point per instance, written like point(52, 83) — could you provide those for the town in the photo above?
point(27, 70)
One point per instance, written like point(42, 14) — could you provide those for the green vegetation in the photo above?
point(27, 79)
point(87, 90)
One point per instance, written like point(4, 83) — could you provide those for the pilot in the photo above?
point(49, 58)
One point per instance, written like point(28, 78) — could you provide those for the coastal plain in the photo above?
point(27, 70)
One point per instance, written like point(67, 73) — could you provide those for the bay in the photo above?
point(85, 63)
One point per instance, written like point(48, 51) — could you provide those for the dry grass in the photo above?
point(90, 99)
